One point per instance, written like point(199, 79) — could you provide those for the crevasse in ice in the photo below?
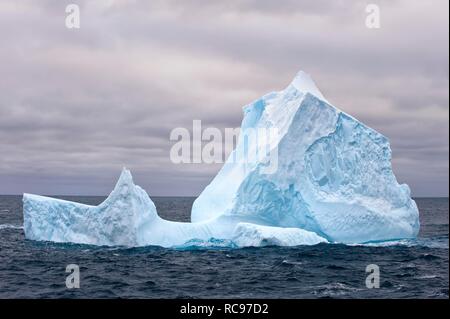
point(333, 182)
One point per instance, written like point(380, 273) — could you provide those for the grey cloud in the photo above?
point(77, 105)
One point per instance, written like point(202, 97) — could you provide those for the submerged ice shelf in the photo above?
point(333, 183)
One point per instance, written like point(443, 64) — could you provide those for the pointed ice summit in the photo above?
point(304, 83)
point(333, 182)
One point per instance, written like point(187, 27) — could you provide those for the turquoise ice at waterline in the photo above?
point(333, 183)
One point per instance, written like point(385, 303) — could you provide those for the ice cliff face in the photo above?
point(333, 182)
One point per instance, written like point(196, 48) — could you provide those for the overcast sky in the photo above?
point(76, 105)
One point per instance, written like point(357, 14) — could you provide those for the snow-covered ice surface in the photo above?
point(333, 183)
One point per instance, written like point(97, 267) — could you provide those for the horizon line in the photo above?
point(71, 195)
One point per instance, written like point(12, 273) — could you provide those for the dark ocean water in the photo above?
point(408, 269)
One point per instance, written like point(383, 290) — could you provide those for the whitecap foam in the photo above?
point(210, 243)
point(439, 242)
point(10, 226)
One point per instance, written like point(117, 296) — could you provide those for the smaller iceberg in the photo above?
point(333, 182)
point(128, 218)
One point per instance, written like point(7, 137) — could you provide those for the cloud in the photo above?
point(77, 105)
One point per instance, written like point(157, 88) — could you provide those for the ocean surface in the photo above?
point(408, 269)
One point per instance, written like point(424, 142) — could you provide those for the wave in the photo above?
point(434, 242)
point(206, 244)
point(10, 226)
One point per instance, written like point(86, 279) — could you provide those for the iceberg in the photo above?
point(128, 218)
point(333, 182)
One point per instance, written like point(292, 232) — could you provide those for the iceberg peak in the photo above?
point(125, 177)
point(124, 185)
point(305, 84)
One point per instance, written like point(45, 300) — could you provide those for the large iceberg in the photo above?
point(333, 182)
